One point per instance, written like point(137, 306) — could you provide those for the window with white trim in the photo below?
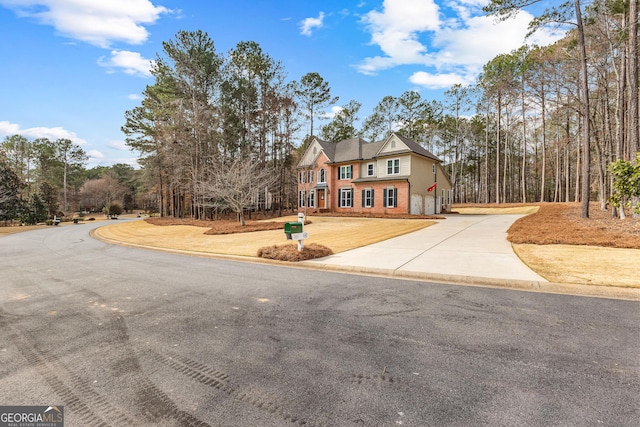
point(346, 172)
point(367, 198)
point(322, 176)
point(390, 197)
point(345, 197)
point(310, 174)
point(312, 199)
point(393, 166)
point(301, 199)
point(370, 169)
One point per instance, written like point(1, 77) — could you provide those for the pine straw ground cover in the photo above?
point(290, 252)
point(560, 223)
point(223, 226)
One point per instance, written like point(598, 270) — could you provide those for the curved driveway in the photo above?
point(472, 246)
point(122, 336)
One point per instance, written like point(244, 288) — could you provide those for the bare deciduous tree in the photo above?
point(238, 183)
point(99, 193)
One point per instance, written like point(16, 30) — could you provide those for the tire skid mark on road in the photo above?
point(213, 378)
point(390, 313)
point(154, 404)
point(384, 379)
point(77, 406)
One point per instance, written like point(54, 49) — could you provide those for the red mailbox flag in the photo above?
point(433, 187)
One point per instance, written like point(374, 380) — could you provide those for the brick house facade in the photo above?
point(393, 176)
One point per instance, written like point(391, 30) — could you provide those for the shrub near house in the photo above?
point(393, 176)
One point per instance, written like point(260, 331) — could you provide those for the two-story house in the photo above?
point(393, 176)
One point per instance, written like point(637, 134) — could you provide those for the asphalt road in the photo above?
point(123, 336)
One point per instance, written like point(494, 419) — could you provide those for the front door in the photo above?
point(322, 204)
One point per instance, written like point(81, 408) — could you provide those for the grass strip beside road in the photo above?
point(590, 265)
point(338, 234)
point(516, 210)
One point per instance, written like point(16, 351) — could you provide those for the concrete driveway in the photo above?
point(473, 246)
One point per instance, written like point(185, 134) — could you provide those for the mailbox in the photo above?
point(292, 228)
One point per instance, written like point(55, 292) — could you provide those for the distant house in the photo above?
point(393, 176)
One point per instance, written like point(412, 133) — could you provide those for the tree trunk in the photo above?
point(486, 159)
point(524, 146)
point(498, 151)
point(586, 113)
point(64, 186)
point(634, 120)
point(577, 194)
point(543, 172)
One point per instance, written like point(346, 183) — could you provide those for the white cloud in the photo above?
point(118, 145)
point(131, 63)
point(8, 129)
point(307, 25)
point(438, 81)
point(480, 39)
point(95, 156)
point(96, 22)
point(134, 97)
point(396, 29)
point(102, 161)
point(332, 113)
point(452, 40)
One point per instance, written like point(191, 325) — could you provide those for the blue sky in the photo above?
point(71, 68)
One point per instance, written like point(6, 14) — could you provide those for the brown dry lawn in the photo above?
point(229, 238)
point(18, 229)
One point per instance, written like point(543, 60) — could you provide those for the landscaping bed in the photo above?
point(220, 226)
point(561, 224)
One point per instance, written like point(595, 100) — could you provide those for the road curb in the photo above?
point(597, 291)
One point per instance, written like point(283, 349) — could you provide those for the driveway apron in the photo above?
point(461, 245)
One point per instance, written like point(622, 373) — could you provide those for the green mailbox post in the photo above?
point(294, 231)
point(292, 228)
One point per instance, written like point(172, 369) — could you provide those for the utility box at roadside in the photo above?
point(292, 228)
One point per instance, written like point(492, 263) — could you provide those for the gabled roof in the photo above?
point(416, 148)
point(355, 149)
point(329, 148)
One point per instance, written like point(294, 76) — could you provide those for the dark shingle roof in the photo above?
point(416, 148)
point(359, 149)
